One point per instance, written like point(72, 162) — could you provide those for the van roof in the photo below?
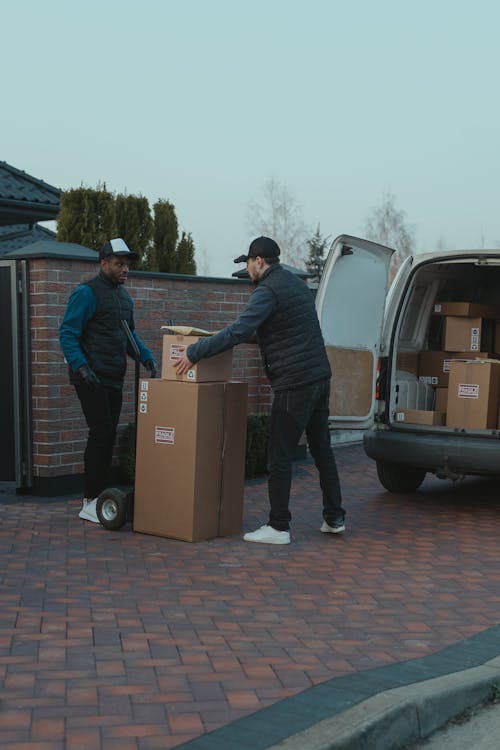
point(447, 255)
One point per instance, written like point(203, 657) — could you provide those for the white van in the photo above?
point(375, 339)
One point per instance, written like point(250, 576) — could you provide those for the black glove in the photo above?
point(150, 365)
point(89, 377)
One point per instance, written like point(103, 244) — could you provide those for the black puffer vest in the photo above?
point(291, 343)
point(104, 341)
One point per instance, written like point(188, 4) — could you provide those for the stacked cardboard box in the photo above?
point(468, 331)
point(473, 394)
point(190, 457)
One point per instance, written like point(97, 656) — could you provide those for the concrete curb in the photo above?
point(394, 718)
point(385, 708)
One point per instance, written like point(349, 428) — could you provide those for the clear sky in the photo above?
point(201, 102)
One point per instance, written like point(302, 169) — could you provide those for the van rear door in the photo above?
point(350, 304)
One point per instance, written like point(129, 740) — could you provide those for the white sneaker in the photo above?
point(337, 528)
point(88, 511)
point(268, 535)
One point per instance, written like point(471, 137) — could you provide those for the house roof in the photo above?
point(53, 249)
point(15, 236)
point(25, 199)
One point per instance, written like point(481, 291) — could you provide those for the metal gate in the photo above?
point(15, 380)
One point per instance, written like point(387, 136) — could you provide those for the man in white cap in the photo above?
point(94, 341)
point(280, 316)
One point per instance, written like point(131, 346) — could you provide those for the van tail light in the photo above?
point(377, 381)
point(381, 381)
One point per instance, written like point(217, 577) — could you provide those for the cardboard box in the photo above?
point(190, 462)
point(496, 337)
point(418, 416)
point(463, 334)
point(218, 368)
point(473, 394)
point(407, 361)
point(441, 400)
point(434, 367)
point(466, 309)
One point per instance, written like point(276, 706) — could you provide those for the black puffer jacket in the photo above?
point(104, 341)
point(290, 340)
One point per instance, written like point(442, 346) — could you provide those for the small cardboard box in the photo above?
point(466, 309)
point(441, 400)
point(434, 367)
point(418, 416)
point(218, 368)
point(190, 462)
point(462, 334)
point(473, 394)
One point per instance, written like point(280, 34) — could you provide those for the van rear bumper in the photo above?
point(446, 453)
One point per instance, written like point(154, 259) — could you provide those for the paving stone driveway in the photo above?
point(123, 640)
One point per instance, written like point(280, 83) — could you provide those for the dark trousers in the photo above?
point(101, 407)
point(293, 411)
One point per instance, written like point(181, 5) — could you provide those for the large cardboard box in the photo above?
point(473, 394)
point(420, 416)
point(190, 462)
point(466, 309)
point(434, 367)
point(218, 368)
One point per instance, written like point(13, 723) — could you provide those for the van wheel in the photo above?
point(111, 509)
point(399, 478)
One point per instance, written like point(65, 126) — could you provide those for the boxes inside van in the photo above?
point(402, 342)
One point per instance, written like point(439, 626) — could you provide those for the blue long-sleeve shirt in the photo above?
point(80, 308)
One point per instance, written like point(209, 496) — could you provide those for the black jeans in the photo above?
point(101, 407)
point(293, 411)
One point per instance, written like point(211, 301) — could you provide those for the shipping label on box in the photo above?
point(165, 435)
point(473, 394)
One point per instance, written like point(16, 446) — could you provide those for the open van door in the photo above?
point(350, 304)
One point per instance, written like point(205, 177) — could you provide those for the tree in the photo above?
point(316, 258)
point(87, 216)
point(134, 224)
point(185, 255)
point(278, 215)
point(163, 256)
point(387, 226)
point(92, 216)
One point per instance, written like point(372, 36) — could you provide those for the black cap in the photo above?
point(264, 247)
point(116, 247)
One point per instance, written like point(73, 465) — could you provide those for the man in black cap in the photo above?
point(94, 341)
point(281, 317)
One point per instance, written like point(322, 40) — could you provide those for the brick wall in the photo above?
point(59, 430)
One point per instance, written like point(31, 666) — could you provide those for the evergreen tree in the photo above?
point(185, 255)
point(91, 216)
point(87, 216)
point(135, 225)
point(163, 255)
point(316, 258)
